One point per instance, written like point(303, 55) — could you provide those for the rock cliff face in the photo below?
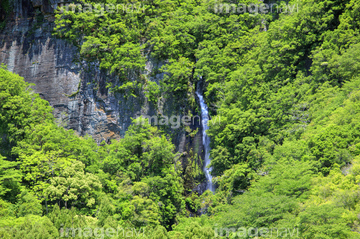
point(77, 91)
point(28, 49)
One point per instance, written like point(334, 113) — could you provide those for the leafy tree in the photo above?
point(10, 178)
point(20, 109)
point(28, 204)
point(75, 186)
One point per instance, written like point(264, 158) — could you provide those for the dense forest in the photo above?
point(285, 155)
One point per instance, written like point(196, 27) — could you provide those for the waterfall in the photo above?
point(205, 139)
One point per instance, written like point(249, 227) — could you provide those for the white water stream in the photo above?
point(205, 140)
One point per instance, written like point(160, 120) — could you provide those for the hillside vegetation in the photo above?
point(285, 154)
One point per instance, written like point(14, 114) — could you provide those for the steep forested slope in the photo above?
point(285, 152)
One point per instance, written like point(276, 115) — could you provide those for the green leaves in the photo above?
point(28, 204)
point(142, 171)
point(142, 152)
point(74, 186)
point(10, 178)
point(331, 210)
point(234, 181)
point(284, 152)
point(20, 109)
point(152, 91)
point(179, 72)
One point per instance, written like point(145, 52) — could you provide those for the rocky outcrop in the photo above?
point(28, 49)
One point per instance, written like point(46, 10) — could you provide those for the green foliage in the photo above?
point(143, 171)
point(20, 109)
point(28, 204)
point(65, 218)
point(29, 227)
point(194, 230)
point(193, 173)
point(285, 153)
point(143, 152)
point(10, 179)
point(234, 181)
point(74, 186)
point(179, 73)
point(6, 209)
point(152, 91)
point(137, 179)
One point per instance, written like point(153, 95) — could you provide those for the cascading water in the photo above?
point(205, 139)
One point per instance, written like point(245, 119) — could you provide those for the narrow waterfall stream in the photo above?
point(205, 139)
